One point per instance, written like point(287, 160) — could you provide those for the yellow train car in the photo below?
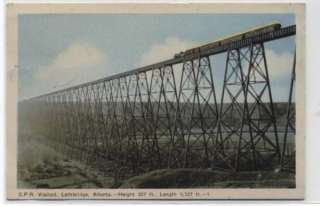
point(237, 36)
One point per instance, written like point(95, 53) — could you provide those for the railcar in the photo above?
point(234, 37)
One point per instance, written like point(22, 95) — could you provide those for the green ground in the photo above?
point(41, 167)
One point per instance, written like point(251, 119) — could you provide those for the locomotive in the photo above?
point(234, 37)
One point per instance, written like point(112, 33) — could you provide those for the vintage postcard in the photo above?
point(155, 101)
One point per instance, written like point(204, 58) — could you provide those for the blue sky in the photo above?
point(61, 50)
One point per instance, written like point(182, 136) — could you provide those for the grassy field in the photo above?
point(40, 166)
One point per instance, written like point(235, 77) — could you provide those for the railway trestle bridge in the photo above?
point(161, 116)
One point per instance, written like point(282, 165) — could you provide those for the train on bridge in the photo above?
point(234, 37)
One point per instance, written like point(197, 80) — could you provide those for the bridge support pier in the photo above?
point(247, 112)
point(290, 122)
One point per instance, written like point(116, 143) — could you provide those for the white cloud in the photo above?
point(164, 50)
point(279, 63)
point(77, 59)
point(79, 62)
